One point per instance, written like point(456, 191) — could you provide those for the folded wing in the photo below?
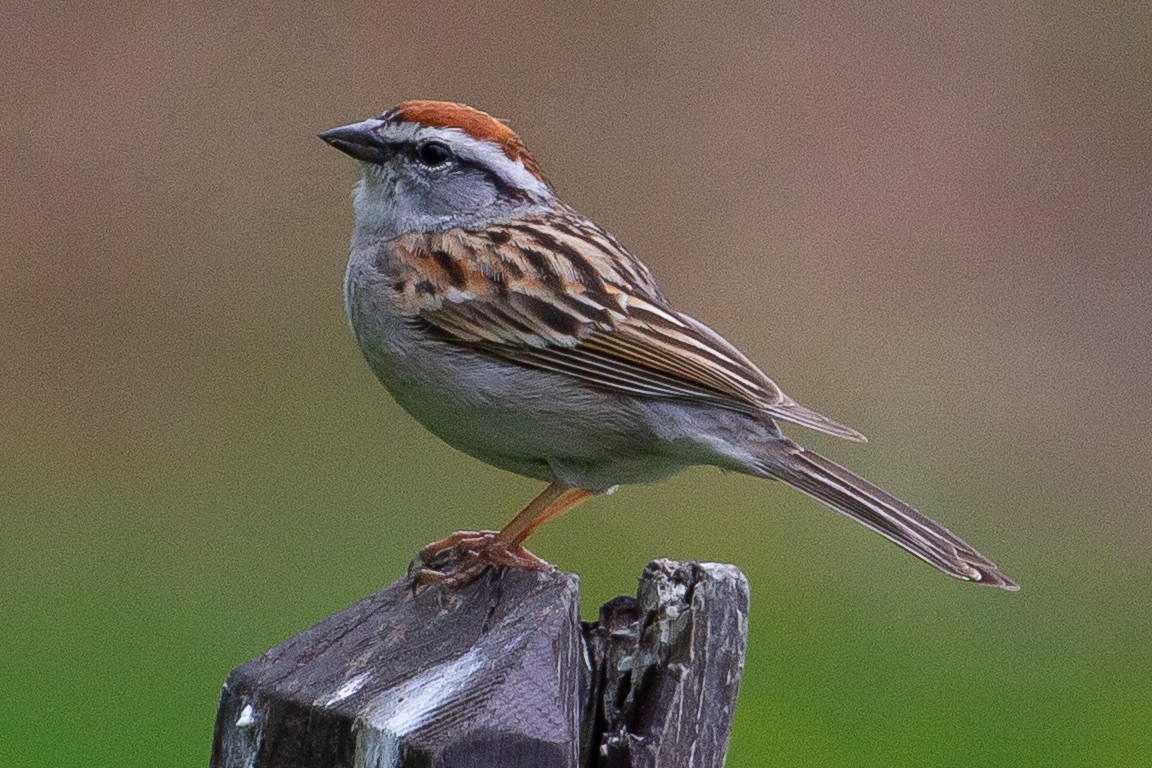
point(564, 296)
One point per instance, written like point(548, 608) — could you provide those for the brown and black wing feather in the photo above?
point(560, 294)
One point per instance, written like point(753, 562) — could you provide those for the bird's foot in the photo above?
point(461, 558)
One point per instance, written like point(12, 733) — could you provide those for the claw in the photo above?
point(464, 556)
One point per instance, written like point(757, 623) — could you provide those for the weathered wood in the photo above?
point(500, 674)
point(670, 665)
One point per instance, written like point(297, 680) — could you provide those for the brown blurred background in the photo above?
point(933, 224)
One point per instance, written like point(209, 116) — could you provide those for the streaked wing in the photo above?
point(660, 339)
point(560, 294)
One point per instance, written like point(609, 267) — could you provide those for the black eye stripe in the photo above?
point(416, 151)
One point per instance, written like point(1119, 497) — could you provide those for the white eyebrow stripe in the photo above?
point(484, 153)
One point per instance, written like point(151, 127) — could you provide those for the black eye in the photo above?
point(433, 153)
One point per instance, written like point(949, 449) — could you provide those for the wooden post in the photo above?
point(500, 674)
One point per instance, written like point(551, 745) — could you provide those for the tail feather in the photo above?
point(896, 521)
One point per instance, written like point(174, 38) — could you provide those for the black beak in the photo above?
point(359, 140)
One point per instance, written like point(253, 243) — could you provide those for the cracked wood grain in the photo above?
point(500, 674)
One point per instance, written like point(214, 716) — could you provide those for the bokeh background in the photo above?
point(932, 223)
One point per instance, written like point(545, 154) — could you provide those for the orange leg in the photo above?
point(467, 554)
point(549, 505)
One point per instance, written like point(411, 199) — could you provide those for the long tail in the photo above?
point(896, 521)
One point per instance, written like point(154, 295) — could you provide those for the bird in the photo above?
point(522, 333)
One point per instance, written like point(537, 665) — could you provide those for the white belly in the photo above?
point(539, 424)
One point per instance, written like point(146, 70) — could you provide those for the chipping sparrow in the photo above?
point(523, 334)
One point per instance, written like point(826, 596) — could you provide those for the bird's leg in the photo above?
point(464, 541)
point(463, 556)
point(535, 515)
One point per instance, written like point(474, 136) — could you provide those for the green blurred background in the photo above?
point(934, 225)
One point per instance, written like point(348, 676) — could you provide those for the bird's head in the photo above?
point(436, 165)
